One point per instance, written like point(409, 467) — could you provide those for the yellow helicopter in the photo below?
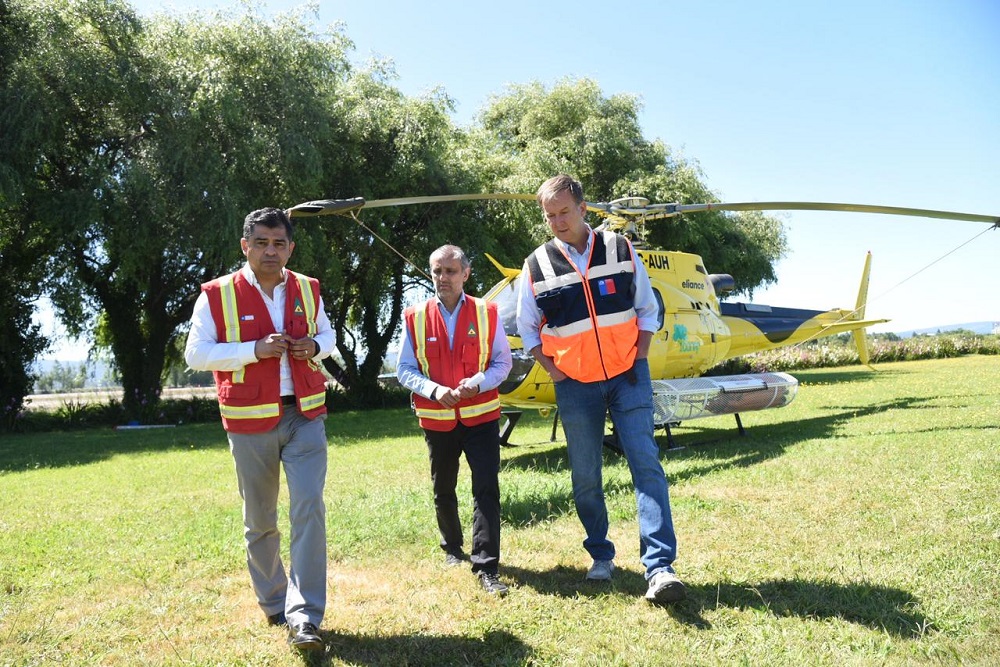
point(697, 330)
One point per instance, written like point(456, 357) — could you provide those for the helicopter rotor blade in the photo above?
point(345, 206)
point(622, 210)
point(828, 206)
point(405, 201)
point(326, 207)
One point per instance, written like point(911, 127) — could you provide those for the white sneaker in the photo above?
point(664, 586)
point(601, 570)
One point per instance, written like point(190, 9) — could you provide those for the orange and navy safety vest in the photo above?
point(590, 327)
point(469, 354)
point(250, 398)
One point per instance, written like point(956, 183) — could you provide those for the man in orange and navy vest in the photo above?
point(263, 331)
point(587, 313)
point(453, 356)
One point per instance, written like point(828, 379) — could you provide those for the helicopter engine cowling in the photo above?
point(681, 399)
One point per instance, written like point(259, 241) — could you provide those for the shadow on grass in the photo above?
point(722, 449)
point(571, 582)
point(706, 450)
point(879, 608)
point(523, 508)
point(57, 449)
point(817, 376)
point(494, 648)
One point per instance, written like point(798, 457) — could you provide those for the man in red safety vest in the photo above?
point(262, 331)
point(453, 356)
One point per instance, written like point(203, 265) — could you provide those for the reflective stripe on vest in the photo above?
point(264, 411)
point(231, 318)
point(313, 401)
point(483, 326)
point(308, 303)
point(420, 333)
point(464, 412)
point(590, 324)
point(420, 344)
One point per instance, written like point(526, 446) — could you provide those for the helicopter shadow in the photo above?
point(494, 648)
point(813, 377)
point(711, 449)
point(878, 608)
point(717, 449)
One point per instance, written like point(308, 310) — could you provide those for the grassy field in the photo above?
point(858, 526)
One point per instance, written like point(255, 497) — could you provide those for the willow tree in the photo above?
point(531, 132)
point(161, 135)
point(391, 146)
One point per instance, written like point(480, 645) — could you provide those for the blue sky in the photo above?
point(873, 102)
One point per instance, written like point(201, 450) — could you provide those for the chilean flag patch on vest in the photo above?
point(606, 286)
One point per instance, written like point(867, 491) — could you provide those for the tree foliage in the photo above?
point(23, 240)
point(533, 132)
point(132, 149)
point(161, 136)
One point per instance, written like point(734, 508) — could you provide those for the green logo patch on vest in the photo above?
point(472, 329)
point(299, 310)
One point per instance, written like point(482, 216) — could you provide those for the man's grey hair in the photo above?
point(451, 252)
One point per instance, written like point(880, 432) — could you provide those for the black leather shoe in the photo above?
point(305, 637)
point(277, 619)
point(491, 584)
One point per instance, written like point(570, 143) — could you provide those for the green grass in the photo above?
point(857, 526)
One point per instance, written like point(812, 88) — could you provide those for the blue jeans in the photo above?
point(582, 408)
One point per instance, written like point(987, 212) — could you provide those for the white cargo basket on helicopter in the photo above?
point(682, 399)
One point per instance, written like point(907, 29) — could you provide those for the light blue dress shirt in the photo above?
point(408, 371)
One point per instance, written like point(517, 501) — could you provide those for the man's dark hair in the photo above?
point(272, 218)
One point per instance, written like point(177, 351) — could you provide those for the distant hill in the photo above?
point(974, 327)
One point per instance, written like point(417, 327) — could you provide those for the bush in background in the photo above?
point(825, 353)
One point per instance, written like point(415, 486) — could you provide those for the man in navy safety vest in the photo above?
point(453, 356)
point(587, 313)
point(263, 330)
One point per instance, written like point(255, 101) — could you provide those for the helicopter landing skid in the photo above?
point(672, 444)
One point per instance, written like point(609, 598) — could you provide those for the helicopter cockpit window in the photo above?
point(506, 300)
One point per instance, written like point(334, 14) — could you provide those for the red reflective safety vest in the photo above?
point(590, 327)
point(469, 353)
point(249, 399)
